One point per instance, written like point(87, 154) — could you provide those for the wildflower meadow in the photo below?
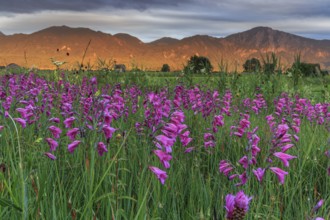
point(147, 146)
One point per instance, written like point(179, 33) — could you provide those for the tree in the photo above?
point(252, 65)
point(165, 68)
point(199, 64)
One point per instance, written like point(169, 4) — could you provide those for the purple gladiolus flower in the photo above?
point(68, 122)
point(239, 132)
point(318, 206)
point(21, 121)
point(90, 127)
point(208, 136)
point(231, 177)
point(225, 167)
point(230, 206)
point(161, 175)
point(327, 152)
point(164, 158)
point(244, 123)
point(181, 127)
point(286, 147)
point(166, 142)
point(23, 112)
point(242, 201)
point(319, 218)
point(296, 129)
point(279, 173)
point(1, 127)
point(55, 131)
point(244, 161)
point(254, 143)
point(177, 117)
point(209, 144)
point(108, 131)
point(284, 158)
point(73, 146)
point(296, 138)
point(209, 140)
point(55, 120)
point(281, 130)
point(51, 156)
point(286, 138)
point(259, 173)
point(6, 104)
point(93, 80)
point(170, 130)
point(52, 144)
point(72, 133)
point(189, 149)
point(101, 148)
point(237, 205)
point(185, 139)
point(217, 122)
point(107, 118)
point(243, 178)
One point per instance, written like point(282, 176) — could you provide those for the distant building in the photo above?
point(120, 68)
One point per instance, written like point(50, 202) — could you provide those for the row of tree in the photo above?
point(305, 69)
point(202, 65)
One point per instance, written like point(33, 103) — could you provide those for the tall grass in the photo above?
point(119, 185)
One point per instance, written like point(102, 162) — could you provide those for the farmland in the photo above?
point(139, 145)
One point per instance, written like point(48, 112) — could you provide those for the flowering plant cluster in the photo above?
point(68, 115)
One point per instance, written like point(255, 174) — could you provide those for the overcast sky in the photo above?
point(152, 19)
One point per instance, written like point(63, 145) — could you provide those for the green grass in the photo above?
point(119, 185)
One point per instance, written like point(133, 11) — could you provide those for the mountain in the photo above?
point(165, 41)
point(260, 40)
point(69, 44)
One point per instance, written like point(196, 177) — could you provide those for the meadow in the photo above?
point(137, 145)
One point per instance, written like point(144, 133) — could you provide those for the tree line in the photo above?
point(269, 65)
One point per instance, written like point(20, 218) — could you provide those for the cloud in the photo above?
point(23, 6)
point(153, 19)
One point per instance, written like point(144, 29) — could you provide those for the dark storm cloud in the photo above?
point(227, 9)
point(152, 19)
point(28, 6)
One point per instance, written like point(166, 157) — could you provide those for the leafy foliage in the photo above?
point(199, 64)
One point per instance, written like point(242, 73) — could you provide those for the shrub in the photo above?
point(310, 69)
point(252, 65)
point(165, 68)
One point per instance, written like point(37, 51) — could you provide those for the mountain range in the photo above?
point(68, 44)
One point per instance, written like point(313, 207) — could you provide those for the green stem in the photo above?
point(24, 216)
point(103, 177)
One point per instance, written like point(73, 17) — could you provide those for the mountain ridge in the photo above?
point(69, 44)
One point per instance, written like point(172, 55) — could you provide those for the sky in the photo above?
point(153, 19)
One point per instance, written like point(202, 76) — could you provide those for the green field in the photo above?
point(120, 185)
